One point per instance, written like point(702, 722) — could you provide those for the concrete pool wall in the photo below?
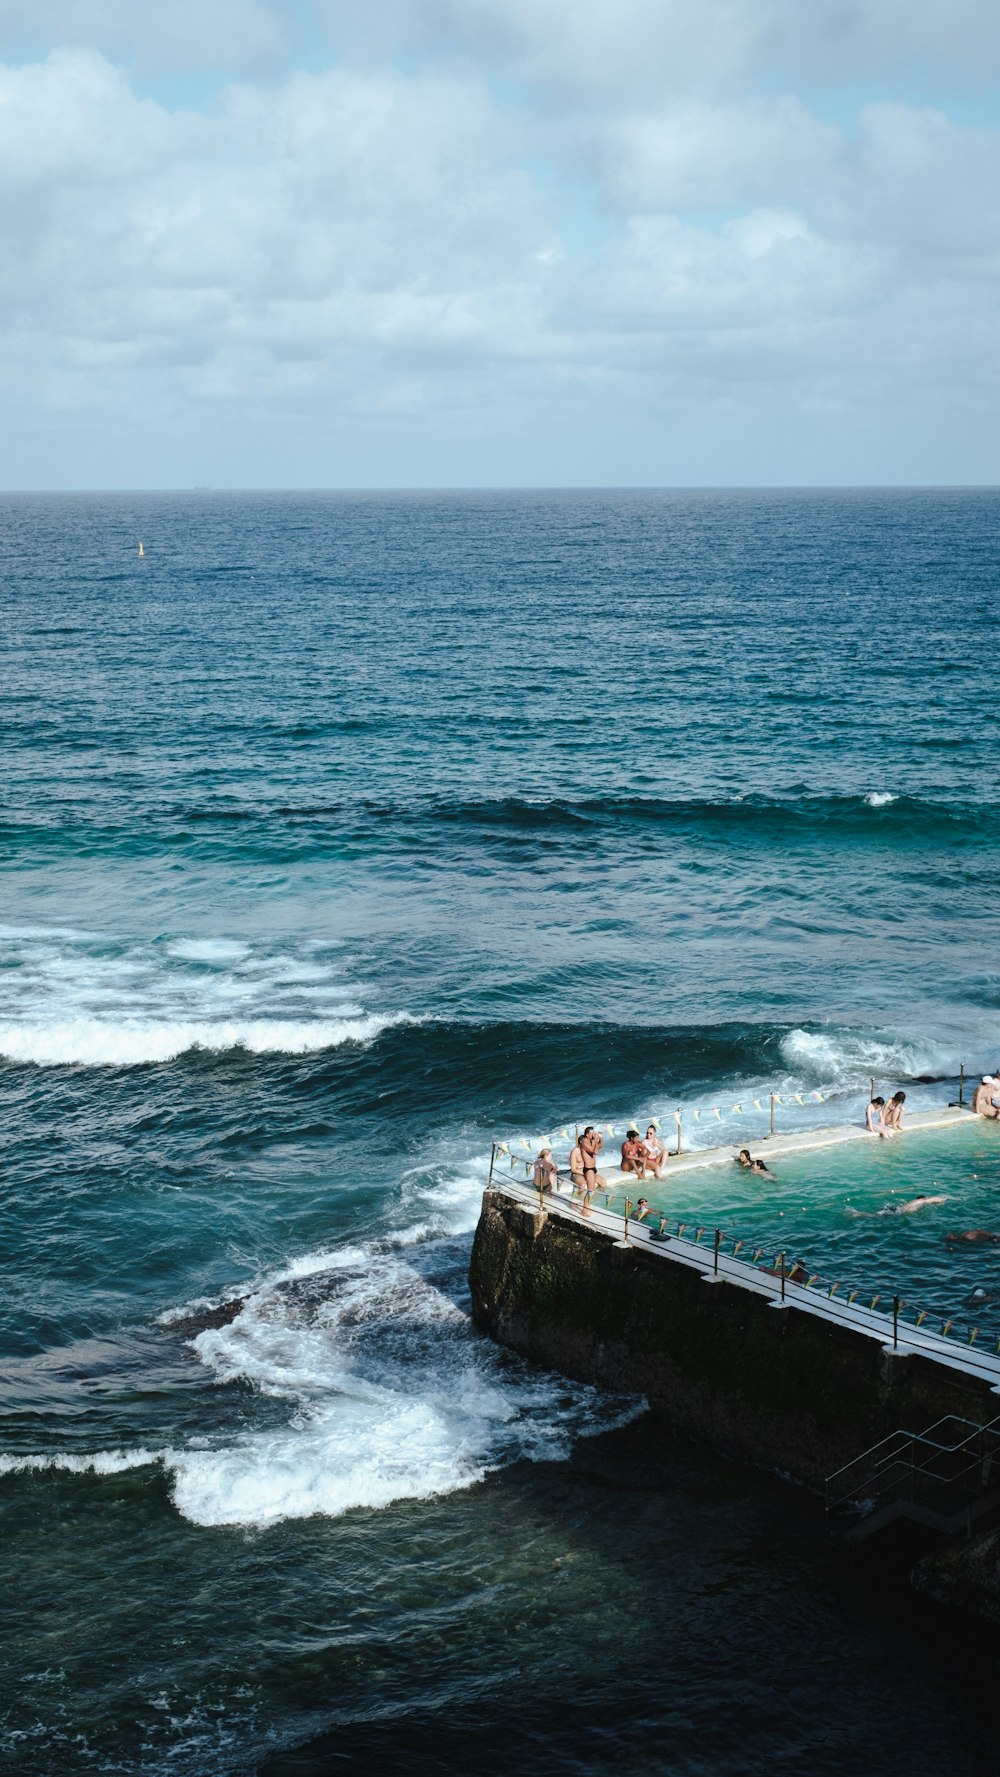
point(802, 1385)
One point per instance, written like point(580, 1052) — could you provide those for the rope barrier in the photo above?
point(764, 1105)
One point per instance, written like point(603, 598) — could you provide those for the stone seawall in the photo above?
point(770, 1384)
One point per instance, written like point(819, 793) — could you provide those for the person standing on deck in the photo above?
point(591, 1144)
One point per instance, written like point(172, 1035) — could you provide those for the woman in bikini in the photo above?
point(655, 1151)
point(633, 1154)
point(892, 1116)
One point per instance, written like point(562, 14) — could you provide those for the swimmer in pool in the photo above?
point(641, 1210)
point(761, 1169)
point(743, 1157)
point(901, 1209)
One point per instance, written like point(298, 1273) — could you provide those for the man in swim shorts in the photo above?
point(591, 1144)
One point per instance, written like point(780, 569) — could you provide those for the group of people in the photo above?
point(885, 1120)
point(643, 1158)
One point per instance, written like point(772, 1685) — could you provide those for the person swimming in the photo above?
point(973, 1237)
point(923, 1201)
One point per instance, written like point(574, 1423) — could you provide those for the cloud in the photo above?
point(168, 36)
point(595, 50)
point(417, 267)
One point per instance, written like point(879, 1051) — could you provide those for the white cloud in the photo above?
point(473, 278)
point(165, 36)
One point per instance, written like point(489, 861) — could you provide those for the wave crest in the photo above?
point(92, 1042)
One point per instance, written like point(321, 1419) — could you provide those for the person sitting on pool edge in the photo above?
point(633, 1154)
point(546, 1174)
point(654, 1151)
point(982, 1098)
point(892, 1116)
point(875, 1120)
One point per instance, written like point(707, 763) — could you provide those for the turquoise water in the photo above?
point(849, 1216)
point(341, 835)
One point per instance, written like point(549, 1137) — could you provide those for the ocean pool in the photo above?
point(839, 1212)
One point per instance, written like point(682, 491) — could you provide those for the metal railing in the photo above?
point(900, 1314)
point(940, 1474)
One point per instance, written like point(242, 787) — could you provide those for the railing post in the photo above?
point(895, 1322)
point(781, 1262)
point(718, 1237)
point(678, 1121)
point(871, 1094)
point(961, 1084)
point(493, 1155)
point(628, 1206)
point(772, 1113)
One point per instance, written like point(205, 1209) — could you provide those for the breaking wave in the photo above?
point(88, 1042)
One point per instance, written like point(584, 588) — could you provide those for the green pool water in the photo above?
point(837, 1210)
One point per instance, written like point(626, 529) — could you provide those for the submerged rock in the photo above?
point(967, 1576)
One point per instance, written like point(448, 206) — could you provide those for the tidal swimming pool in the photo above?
point(839, 1212)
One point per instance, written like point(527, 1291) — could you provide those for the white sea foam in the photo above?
point(92, 1042)
point(880, 798)
point(847, 1059)
point(94, 1462)
point(209, 950)
point(76, 998)
point(388, 1395)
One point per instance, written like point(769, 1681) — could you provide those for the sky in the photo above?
point(447, 243)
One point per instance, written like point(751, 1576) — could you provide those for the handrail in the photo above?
point(888, 1475)
point(991, 1425)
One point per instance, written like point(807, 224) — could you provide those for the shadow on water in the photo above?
point(648, 1607)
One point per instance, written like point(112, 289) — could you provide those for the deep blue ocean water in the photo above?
point(341, 835)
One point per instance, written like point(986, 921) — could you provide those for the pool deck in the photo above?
point(803, 1141)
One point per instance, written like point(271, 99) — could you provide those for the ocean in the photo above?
point(342, 836)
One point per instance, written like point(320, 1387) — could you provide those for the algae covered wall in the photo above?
point(770, 1384)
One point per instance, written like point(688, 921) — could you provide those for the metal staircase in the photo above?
point(944, 1478)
